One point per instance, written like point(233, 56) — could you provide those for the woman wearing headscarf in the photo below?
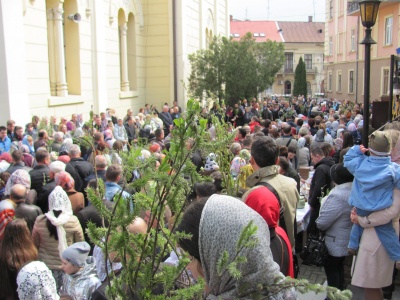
point(7, 213)
point(65, 180)
point(21, 176)
point(263, 201)
point(27, 158)
point(54, 231)
point(28, 141)
point(35, 281)
point(334, 220)
point(319, 139)
point(303, 153)
point(216, 225)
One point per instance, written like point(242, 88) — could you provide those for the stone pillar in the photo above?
point(124, 57)
point(61, 85)
point(52, 59)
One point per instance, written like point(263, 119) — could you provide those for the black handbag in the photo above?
point(315, 252)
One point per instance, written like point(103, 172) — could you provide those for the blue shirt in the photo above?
point(375, 177)
point(5, 145)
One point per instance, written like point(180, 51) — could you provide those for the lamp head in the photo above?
point(75, 17)
point(369, 12)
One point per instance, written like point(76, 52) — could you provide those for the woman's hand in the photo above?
point(354, 216)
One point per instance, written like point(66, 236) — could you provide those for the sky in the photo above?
point(279, 10)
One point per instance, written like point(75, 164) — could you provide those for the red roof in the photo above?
point(288, 32)
point(302, 32)
point(266, 30)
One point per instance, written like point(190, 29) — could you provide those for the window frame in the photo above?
point(388, 36)
point(308, 61)
point(351, 82)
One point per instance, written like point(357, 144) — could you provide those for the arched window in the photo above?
point(288, 87)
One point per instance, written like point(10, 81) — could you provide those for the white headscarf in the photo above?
point(35, 281)
point(58, 200)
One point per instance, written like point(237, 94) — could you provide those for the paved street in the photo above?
point(317, 275)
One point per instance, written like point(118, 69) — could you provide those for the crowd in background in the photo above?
point(44, 174)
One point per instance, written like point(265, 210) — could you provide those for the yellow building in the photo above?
point(66, 56)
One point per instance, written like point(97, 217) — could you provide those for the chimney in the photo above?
point(231, 18)
point(309, 18)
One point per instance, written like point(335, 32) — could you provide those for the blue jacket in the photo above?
point(375, 177)
point(113, 189)
point(5, 145)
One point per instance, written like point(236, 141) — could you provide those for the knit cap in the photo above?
point(77, 254)
point(379, 143)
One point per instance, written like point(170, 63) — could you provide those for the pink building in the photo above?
point(344, 56)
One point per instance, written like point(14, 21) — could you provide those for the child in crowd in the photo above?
point(80, 279)
point(375, 177)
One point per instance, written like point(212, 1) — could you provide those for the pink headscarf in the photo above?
point(6, 156)
point(65, 180)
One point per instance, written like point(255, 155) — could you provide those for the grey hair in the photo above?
point(74, 150)
point(59, 136)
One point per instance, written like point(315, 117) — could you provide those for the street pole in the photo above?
point(367, 74)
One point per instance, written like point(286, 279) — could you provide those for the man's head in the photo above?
point(291, 152)
point(241, 134)
point(286, 129)
point(97, 121)
point(264, 152)
point(74, 151)
point(10, 125)
point(42, 156)
point(131, 120)
point(317, 154)
point(113, 173)
point(17, 156)
point(159, 133)
point(59, 136)
point(18, 193)
point(120, 121)
point(56, 167)
point(129, 112)
point(102, 115)
point(3, 132)
point(100, 162)
point(165, 108)
point(74, 117)
point(43, 134)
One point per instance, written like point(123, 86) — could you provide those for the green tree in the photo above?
point(233, 70)
point(300, 80)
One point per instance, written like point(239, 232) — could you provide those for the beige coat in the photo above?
point(77, 200)
point(287, 190)
point(372, 266)
point(48, 246)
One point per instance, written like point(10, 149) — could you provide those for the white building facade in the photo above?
point(61, 57)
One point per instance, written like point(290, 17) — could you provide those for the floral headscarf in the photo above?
point(20, 176)
point(65, 180)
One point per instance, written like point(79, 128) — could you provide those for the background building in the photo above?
point(344, 57)
point(301, 39)
point(66, 56)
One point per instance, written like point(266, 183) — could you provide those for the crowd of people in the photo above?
point(45, 252)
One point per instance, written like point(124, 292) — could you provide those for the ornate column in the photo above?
point(61, 84)
point(123, 57)
point(52, 60)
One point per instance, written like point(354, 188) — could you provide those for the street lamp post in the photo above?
point(368, 12)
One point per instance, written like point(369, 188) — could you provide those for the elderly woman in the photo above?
point(67, 183)
point(216, 226)
point(303, 153)
point(21, 176)
point(373, 267)
point(54, 231)
point(334, 220)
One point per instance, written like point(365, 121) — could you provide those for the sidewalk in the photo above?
point(317, 275)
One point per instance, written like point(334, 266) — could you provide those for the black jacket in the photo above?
point(79, 169)
point(28, 212)
point(321, 181)
point(43, 197)
point(39, 177)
